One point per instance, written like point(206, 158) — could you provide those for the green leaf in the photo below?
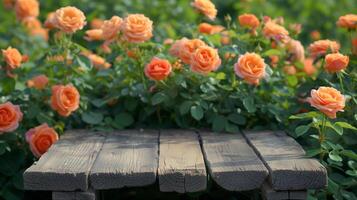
point(345, 125)
point(92, 117)
point(305, 115)
point(185, 107)
point(237, 119)
point(221, 76)
point(231, 128)
point(349, 154)
point(272, 52)
point(334, 156)
point(219, 123)
point(301, 130)
point(197, 112)
point(313, 152)
point(7, 85)
point(84, 62)
point(124, 119)
point(158, 98)
point(292, 80)
point(248, 103)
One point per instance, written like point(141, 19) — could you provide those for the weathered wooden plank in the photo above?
point(181, 164)
point(285, 159)
point(269, 194)
point(87, 195)
point(66, 165)
point(128, 158)
point(298, 194)
point(231, 162)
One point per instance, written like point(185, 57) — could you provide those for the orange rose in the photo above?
point(98, 62)
point(96, 23)
point(13, 57)
point(296, 50)
point(309, 67)
point(110, 28)
point(250, 67)
point(289, 70)
point(39, 82)
point(275, 31)
point(158, 69)
point(94, 34)
point(69, 19)
point(10, 116)
point(225, 38)
point(249, 21)
point(348, 21)
point(354, 46)
point(49, 23)
point(209, 29)
point(64, 99)
point(274, 59)
point(176, 47)
point(187, 48)
point(204, 60)
point(27, 8)
point(315, 35)
point(41, 139)
point(321, 47)
point(328, 100)
point(137, 28)
point(336, 62)
point(31, 23)
point(206, 7)
point(8, 4)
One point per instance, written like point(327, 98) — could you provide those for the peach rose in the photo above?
point(41, 139)
point(26, 8)
point(176, 47)
point(158, 69)
point(94, 34)
point(348, 21)
point(209, 29)
point(111, 28)
point(321, 47)
point(10, 116)
point(275, 31)
point(296, 28)
point(187, 48)
point(315, 35)
point(31, 23)
point(13, 57)
point(204, 60)
point(206, 7)
point(274, 60)
point(98, 62)
point(49, 23)
point(309, 67)
point(249, 21)
point(69, 19)
point(336, 62)
point(250, 67)
point(168, 41)
point(289, 70)
point(96, 23)
point(39, 82)
point(328, 100)
point(296, 50)
point(137, 28)
point(64, 99)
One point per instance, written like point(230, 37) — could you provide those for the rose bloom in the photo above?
point(250, 67)
point(225, 38)
point(64, 99)
point(31, 23)
point(13, 57)
point(98, 62)
point(111, 28)
point(168, 41)
point(204, 60)
point(296, 28)
point(328, 100)
point(96, 23)
point(315, 35)
point(26, 8)
point(206, 7)
point(94, 34)
point(41, 139)
point(137, 28)
point(158, 69)
point(176, 47)
point(296, 49)
point(187, 48)
point(321, 47)
point(309, 67)
point(275, 31)
point(10, 116)
point(348, 21)
point(209, 29)
point(354, 46)
point(69, 19)
point(290, 70)
point(49, 23)
point(248, 20)
point(336, 62)
point(41, 32)
point(8, 4)
point(39, 82)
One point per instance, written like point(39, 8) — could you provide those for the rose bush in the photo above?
point(79, 70)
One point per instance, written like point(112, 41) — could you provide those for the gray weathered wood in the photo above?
point(88, 195)
point(128, 158)
point(181, 164)
point(269, 193)
point(285, 159)
point(66, 165)
point(298, 194)
point(231, 162)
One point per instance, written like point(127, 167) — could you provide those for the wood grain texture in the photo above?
point(88, 195)
point(231, 162)
point(181, 164)
point(268, 193)
point(285, 159)
point(128, 158)
point(66, 165)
